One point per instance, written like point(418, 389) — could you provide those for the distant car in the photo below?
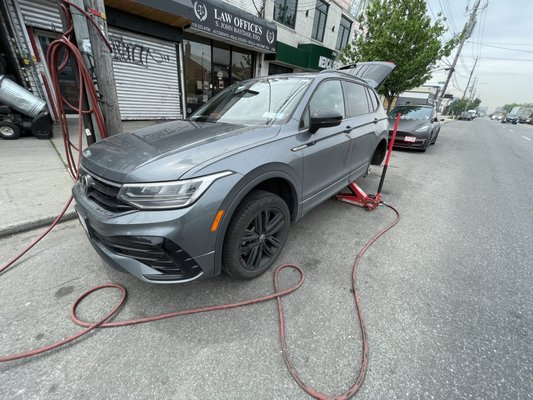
point(418, 128)
point(466, 115)
point(512, 118)
point(523, 119)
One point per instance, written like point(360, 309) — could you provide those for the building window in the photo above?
point(319, 24)
point(285, 12)
point(344, 33)
point(274, 69)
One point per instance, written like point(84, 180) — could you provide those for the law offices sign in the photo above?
point(227, 22)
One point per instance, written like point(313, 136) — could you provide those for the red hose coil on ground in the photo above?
point(278, 294)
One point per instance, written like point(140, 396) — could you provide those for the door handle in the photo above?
point(376, 120)
point(348, 129)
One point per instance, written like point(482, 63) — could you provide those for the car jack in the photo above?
point(356, 195)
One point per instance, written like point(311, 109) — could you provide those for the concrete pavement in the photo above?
point(34, 180)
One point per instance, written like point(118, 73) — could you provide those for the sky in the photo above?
point(502, 40)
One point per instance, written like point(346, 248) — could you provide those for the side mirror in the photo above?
point(324, 119)
point(436, 119)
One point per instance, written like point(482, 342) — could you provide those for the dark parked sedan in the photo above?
point(418, 128)
point(511, 118)
point(186, 199)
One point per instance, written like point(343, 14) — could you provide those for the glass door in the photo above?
point(198, 79)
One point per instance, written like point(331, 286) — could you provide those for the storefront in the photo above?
point(169, 57)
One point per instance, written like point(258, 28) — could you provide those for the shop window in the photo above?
point(285, 12)
point(197, 63)
point(274, 69)
point(241, 66)
point(221, 55)
point(344, 33)
point(319, 23)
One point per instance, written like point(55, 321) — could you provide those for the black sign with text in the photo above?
point(234, 25)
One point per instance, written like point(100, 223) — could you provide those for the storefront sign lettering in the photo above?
point(134, 53)
point(229, 24)
point(324, 62)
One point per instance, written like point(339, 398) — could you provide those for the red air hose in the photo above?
point(278, 294)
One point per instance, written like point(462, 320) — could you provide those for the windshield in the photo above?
point(412, 112)
point(259, 102)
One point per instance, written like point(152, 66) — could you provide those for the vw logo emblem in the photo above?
point(200, 10)
point(270, 37)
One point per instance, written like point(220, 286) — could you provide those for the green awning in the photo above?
point(307, 56)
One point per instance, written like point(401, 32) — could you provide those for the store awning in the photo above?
point(308, 56)
point(212, 18)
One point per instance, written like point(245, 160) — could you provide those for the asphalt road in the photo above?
point(447, 297)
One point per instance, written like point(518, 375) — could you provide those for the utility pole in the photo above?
point(103, 68)
point(98, 59)
point(465, 34)
point(470, 77)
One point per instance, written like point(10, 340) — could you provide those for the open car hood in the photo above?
point(373, 72)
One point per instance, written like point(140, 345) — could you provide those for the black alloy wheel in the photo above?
point(256, 235)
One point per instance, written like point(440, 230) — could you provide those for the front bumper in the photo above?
point(164, 246)
point(419, 143)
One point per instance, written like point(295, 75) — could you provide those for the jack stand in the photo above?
point(357, 196)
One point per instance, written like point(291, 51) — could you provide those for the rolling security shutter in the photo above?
point(41, 14)
point(146, 75)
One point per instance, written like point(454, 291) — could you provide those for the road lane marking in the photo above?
point(526, 138)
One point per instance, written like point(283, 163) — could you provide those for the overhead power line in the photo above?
point(504, 48)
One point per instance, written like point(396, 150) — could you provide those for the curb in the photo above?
point(35, 224)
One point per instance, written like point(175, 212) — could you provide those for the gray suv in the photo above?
point(187, 199)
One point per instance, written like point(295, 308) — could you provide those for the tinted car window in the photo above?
point(328, 97)
point(412, 112)
point(357, 101)
point(374, 102)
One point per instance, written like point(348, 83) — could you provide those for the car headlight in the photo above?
point(163, 195)
point(422, 128)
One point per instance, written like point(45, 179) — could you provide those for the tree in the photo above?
point(400, 31)
point(460, 105)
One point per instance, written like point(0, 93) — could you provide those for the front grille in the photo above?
point(158, 253)
point(103, 192)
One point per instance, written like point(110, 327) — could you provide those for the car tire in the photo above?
point(256, 235)
point(434, 140)
point(9, 130)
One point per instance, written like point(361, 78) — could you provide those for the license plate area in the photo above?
point(410, 139)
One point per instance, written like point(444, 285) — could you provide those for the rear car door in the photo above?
point(326, 152)
point(360, 125)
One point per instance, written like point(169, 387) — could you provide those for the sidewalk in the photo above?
point(34, 181)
